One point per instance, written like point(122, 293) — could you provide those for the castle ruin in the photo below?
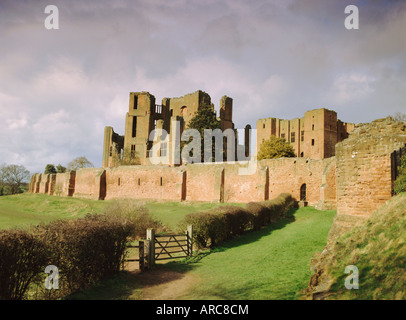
point(339, 165)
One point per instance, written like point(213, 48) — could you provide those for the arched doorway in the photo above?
point(303, 192)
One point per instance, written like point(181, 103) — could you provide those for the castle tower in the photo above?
point(313, 136)
point(141, 119)
point(226, 113)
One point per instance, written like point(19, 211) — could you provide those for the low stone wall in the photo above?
point(145, 182)
point(215, 182)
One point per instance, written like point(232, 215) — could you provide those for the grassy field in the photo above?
point(26, 209)
point(273, 263)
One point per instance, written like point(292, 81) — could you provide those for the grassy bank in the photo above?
point(377, 248)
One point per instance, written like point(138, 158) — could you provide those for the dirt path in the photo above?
point(161, 284)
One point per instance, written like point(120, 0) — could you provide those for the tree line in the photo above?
point(14, 178)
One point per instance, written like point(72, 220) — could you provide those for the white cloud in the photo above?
point(350, 88)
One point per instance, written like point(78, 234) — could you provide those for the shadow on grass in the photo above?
point(248, 237)
point(130, 285)
point(123, 286)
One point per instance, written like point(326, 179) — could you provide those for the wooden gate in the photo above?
point(169, 246)
point(139, 257)
point(162, 247)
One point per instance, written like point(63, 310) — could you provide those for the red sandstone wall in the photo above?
point(63, 184)
point(364, 180)
point(87, 183)
point(288, 175)
point(243, 188)
point(201, 182)
point(43, 183)
point(144, 182)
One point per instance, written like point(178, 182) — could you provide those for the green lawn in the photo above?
point(170, 213)
point(270, 264)
point(273, 263)
point(26, 209)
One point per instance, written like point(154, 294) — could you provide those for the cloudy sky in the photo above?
point(60, 88)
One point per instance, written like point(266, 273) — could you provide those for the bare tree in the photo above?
point(13, 177)
point(399, 116)
point(78, 163)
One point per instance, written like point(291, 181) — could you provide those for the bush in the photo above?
point(400, 182)
point(135, 212)
point(207, 228)
point(274, 148)
point(84, 250)
point(214, 226)
point(237, 220)
point(22, 257)
point(269, 211)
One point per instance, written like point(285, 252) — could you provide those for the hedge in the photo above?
point(214, 226)
point(22, 257)
point(84, 250)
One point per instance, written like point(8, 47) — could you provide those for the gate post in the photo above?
point(141, 246)
point(151, 247)
point(189, 234)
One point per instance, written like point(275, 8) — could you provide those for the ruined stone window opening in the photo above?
point(132, 150)
point(292, 137)
point(301, 154)
point(183, 111)
point(312, 142)
point(160, 182)
point(135, 102)
point(313, 127)
point(158, 108)
point(134, 130)
point(302, 136)
point(139, 181)
point(263, 126)
point(118, 182)
point(303, 192)
point(111, 151)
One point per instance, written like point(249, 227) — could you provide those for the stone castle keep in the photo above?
point(314, 136)
point(144, 115)
point(339, 165)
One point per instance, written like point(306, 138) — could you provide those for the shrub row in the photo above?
point(215, 226)
point(84, 250)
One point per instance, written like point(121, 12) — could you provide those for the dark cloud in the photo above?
point(59, 88)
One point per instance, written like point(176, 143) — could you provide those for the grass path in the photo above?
point(270, 264)
point(273, 263)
